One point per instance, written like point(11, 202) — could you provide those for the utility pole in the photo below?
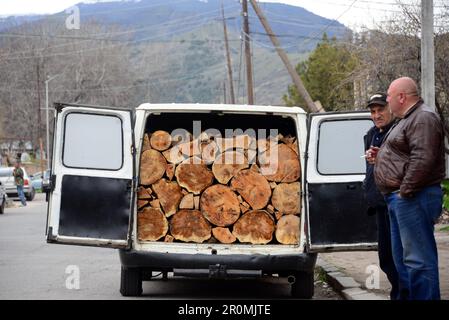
point(47, 121)
point(228, 58)
point(291, 70)
point(427, 53)
point(39, 117)
point(249, 71)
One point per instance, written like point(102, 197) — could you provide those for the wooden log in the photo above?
point(141, 203)
point(144, 193)
point(180, 136)
point(265, 144)
point(280, 164)
point(238, 142)
point(223, 235)
point(187, 202)
point(170, 171)
point(183, 151)
point(291, 142)
point(194, 175)
point(255, 168)
point(196, 202)
point(287, 229)
point(190, 226)
point(287, 198)
point(169, 194)
point(245, 204)
point(227, 165)
point(220, 205)
point(209, 151)
point(160, 140)
point(151, 224)
point(152, 167)
point(155, 204)
point(243, 208)
point(278, 215)
point(253, 187)
point(146, 145)
point(254, 227)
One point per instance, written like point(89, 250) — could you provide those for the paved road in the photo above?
point(32, 269)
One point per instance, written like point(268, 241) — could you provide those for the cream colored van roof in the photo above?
point(180, 107)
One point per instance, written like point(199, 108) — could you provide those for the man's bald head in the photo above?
point(402, 94)
point(406, 85)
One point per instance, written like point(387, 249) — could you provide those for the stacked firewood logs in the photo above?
point(213, 189)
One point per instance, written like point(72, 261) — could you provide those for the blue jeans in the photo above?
point(413, 242)
point(21, 195)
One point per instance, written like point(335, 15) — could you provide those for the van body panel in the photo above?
point(268, 263)
point(93, 170)
point(336, 211)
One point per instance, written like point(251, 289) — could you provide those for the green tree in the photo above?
point(326, 74)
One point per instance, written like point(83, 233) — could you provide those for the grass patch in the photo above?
point(444, 229)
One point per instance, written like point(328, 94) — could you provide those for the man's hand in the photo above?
point(371, 154)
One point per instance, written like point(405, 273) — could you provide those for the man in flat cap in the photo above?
point(383, 120)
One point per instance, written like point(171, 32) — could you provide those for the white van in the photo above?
point(95, 175)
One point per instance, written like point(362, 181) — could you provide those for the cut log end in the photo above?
point(287, 198)
point(194, 176)
point(256, 227)
point(152, 167)
point(227, 165)
point(280, 164)
point(151, 224)
point(253, 187)
point(160, 140)
point(220, 205)
point(223, 235)
point(169, 194)
point(190, 226)
point(287, 229)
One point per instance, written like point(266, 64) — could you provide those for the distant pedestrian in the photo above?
point(383, 120)
point(408, 171)
point(19, 181)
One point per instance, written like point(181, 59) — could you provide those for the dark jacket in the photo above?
point(412, 155)
point(374, 198)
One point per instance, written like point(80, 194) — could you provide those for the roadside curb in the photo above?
point(345, 285)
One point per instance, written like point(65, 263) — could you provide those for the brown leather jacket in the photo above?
point(412, 154)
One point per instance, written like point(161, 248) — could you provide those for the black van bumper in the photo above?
point(157, 261)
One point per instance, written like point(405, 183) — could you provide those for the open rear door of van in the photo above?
point(336, 211)
point(92, 177)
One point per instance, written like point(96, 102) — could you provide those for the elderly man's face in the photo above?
point(381, 115)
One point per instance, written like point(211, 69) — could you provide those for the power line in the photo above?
point(108, 46)
point(160, 26)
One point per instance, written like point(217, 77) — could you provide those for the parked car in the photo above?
point(3, 197)
point(7, 180)
point(37, 179)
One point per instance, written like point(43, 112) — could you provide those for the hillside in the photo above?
point(180, 43)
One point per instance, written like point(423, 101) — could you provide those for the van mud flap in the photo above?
point(217, 271)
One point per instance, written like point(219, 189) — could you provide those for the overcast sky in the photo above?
point(352, 13)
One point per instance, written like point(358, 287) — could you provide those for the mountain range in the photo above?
point(164, 20)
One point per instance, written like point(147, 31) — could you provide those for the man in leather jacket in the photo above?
point(408, 170)
point(383, 120)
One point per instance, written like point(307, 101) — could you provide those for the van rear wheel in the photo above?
point(131, 282)
point(303, 287)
